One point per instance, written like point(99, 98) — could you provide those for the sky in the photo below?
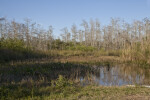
point(64, 13)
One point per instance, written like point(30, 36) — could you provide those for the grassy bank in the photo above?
point(62, 89)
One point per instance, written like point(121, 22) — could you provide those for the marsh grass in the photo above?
point(42, 73)
point(63, 89)
point(56, 76)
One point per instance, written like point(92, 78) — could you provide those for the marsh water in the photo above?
point(117, 75)
point(109, 75)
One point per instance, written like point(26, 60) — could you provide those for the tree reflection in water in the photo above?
point(120, 75)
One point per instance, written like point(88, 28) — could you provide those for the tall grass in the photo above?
point(138, 53)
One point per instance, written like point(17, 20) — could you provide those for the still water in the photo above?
point(110, 75)
point(116, 75)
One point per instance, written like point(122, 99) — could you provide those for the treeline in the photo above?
point(31, 34)
point(132, 38)
point(117, 35)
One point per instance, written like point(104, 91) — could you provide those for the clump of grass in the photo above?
point(61, 82)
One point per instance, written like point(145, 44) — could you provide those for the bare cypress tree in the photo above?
point(74, 33)
point(50, 37)
point(33, 35)
point(92, 33)
point(65, 35)
point(105, 38)
point(27, 32)
point(147, 27)
point(98, 35)
point(81, 35)
point(1, 27)
point(86, 31)
point(15, 29)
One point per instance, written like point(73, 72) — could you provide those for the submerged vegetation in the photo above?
point(35, 65)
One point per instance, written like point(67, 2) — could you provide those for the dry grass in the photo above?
point(89, 59)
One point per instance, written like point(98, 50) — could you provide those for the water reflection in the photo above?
point(102, 75)
point(118, 75)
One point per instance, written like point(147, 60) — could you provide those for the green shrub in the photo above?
point(13, 49)
point(13, 44)
point(61, 82)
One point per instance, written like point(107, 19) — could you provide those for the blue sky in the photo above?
point(63, 13)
